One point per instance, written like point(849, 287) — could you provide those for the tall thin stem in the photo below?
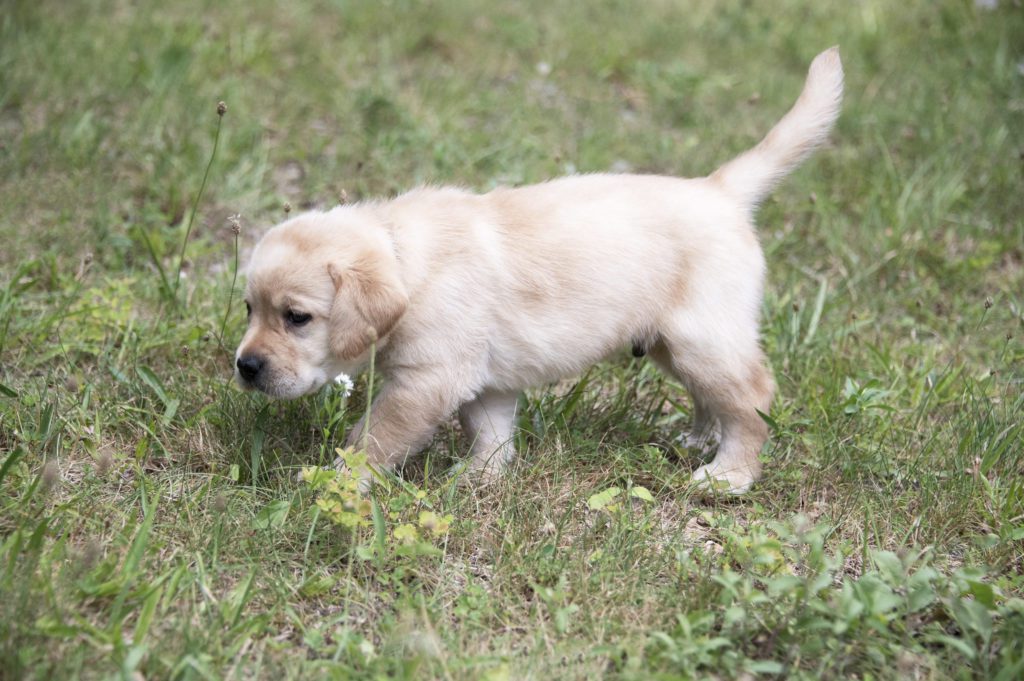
point(231, 293)
point(369, 395)
point(195, 205)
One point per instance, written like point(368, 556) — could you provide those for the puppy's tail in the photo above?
point(752, 175)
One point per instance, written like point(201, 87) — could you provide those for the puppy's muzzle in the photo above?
point(249, 367)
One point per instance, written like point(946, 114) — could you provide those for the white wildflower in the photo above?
point(344, 381)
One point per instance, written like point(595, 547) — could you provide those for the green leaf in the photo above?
point(132, 660)
point(889, 565)
point(170, 410)
point(150, 378)
point(364, 552)
point(45, 423)
point(973, 616)
point(256, 455)
point(272, 515)
point(641, 493)
point(1011, 671)
point(146, 616)
point(572, 400)
point(598, 501)
point(380, 532)
point(563, 617)
point(500, 673)
point(819, 305)
point(734, 614)
point(7, 392)
point(764, 667)
point(130, 568)
point(772, 423)
point(317, 584)
point(10, 461)
point(963, 646)
point(419, 548)
point(920, 598)
point(235, 602)
point(983, 593)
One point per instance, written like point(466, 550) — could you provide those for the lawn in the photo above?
point(151, 521)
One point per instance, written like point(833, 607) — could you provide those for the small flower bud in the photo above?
point(235, 221)
point(50, 476)
point(371, 334)
point(104, 462)
point(287, 208)
point(222, 108)
point(91, 553)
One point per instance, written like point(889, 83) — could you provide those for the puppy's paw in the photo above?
point(714, 477)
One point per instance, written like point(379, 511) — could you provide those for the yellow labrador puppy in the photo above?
point(468, 299)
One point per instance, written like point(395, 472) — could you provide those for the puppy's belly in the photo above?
point(520, 361)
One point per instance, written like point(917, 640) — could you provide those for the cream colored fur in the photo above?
point(473, 298)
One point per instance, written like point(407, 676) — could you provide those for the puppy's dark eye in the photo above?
point(297, 318)
point(248, 309)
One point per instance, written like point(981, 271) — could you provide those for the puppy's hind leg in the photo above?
point(489, 423)
point(705, 433)
point(732, 383)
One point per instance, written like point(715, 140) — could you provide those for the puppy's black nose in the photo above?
point(249, 367)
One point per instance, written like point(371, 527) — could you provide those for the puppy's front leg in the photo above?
point(489, 423)
point(403, 418)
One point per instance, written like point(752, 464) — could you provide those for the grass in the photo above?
point(150, 519)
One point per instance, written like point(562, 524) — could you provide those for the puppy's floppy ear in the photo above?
point(369, 299)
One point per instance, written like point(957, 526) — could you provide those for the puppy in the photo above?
point(469, 299)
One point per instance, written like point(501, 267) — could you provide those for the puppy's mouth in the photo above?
point(279, 389)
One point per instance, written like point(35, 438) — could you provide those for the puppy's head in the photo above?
point(322, 288)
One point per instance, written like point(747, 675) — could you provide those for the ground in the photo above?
point(151, 522)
